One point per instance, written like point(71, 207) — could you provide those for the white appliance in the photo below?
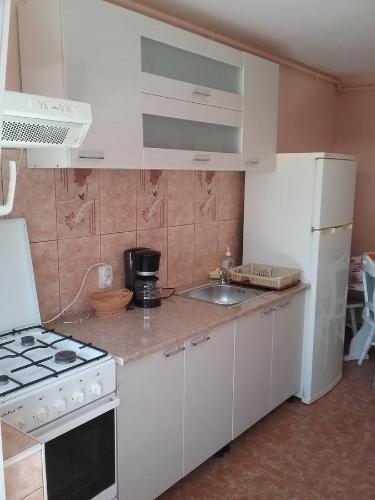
point(56, 388)
point(301, 216)
point(33, 121)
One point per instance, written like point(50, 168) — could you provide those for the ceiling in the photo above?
point(335, 36)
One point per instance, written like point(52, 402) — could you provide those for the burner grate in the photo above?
point(41, 344)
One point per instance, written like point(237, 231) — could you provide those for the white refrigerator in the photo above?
point(300, 216)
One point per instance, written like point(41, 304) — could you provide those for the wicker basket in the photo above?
point(262, 275)
point(108, 303)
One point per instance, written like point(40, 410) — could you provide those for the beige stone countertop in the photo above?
point(128, 336)
point(16, 443)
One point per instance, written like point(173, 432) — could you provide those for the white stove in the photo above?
point(44, 375)
point(58, 389)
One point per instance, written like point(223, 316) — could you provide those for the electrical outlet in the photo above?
point(105, 276)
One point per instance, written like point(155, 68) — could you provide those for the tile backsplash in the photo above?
point(78, 217)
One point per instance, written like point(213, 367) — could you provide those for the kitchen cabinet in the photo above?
point(150, 424)
point(161, 97)
point(252, 371)
point(208, 394)
point(86, 51)
point(180, 65)
point(287, 349)
point(260, 112)
point(268, 357)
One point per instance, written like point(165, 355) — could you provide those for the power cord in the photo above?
point(78, 293)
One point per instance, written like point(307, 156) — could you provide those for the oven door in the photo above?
point(80, 453)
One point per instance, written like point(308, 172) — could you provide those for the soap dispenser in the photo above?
point(227, 261)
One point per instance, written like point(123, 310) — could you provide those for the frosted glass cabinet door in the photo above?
point(182, 65)
point(260, 111)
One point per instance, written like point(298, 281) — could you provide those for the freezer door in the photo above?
point(324, 343)
point(333, 193)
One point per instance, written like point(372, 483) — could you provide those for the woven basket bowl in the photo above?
point(108, 303)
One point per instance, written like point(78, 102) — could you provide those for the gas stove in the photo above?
point(35, 354)
point(45, 375)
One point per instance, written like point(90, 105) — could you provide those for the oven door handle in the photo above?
point(80, 416)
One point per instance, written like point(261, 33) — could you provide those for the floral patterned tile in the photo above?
point(76, 255)
point(205, 251)
point(46, 270)
point(112, 248)
point(157, 239)
point(180, 198)
point(230, 235)
point(180, 255)
point(34, 198)
point(206, 196)
point(152, 199)
point(118, 200)
point(77, 202)
point(231, 195)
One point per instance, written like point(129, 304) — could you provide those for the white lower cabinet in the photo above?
point(150, 424)
point(287, 349)
point(208, 394)
point(252, 371)
point(180, 406)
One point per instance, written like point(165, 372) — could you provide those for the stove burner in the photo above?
point(65, 357)
point(27, 341)
point(4, 379)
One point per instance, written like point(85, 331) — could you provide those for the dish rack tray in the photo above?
point(265, 276)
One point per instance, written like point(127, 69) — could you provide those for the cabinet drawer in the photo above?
point(184, 91)
point(173, 159)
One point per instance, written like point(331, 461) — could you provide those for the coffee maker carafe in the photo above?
point(146, 287)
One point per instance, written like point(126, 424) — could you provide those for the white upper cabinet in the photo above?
point(86, 51)
point(260, 113)
point(161, 97)
point(184, 66)
point(192, 104)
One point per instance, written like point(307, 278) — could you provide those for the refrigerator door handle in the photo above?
point(332, 230)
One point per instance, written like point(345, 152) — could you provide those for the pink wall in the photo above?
point(355, 134)
point(76, 218)
point(306, 113)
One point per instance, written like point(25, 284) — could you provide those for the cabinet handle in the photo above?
point(200, 340)
point(284, 304)
point(250, 163)
point(203, 93)
point(201, 158)
point(174, 351)
point(91, 155)
point(268, 311)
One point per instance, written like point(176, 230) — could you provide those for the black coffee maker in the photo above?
point(141, 269)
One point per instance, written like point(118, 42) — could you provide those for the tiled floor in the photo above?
point(322, 451)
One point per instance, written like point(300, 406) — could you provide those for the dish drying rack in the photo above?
point(265, 276)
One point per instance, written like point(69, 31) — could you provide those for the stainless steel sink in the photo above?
point(224, 295)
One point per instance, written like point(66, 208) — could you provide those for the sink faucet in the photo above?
point(223, 276)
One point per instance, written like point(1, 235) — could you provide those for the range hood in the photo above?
point(34, 121)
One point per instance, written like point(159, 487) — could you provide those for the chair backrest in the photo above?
point(368, 268)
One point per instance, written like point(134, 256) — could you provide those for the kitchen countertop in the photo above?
point(16, 443)
point(128, 336)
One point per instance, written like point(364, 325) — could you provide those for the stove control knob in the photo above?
point(19, 423)
point(79, 397)
point(96, 389)
point(42, 414)
point(60, 406)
